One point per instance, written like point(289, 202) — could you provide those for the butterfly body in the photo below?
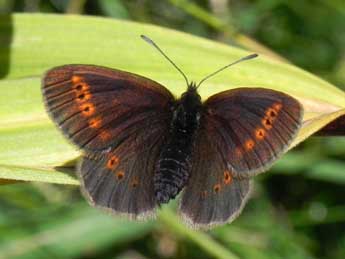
point(174, 164)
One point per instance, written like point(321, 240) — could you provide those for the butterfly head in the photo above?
point(192, 90)
point(190, 99)
point(192, 86)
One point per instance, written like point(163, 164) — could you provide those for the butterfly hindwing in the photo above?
point(252, 126)
point(121, 180)
point(213, 196)
point(97, 107)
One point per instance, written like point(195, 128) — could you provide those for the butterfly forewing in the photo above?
point(252, 127)
point(96, 106)
point(120, 121)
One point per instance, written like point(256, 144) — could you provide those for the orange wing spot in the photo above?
point(104, 135)
point(227, 177)
point(267, 123)
point(87, 109)
point(76, 79)
point(82, 97)
point(277, 106)
point(260, 134)
point(81, 87)
point(249, 144)
point(113, 162)
point(217, 187)
point(271, 113)
point(120, 175)
point(135, 182)
point(95, 123)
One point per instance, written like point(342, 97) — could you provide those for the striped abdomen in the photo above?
point(173, 167)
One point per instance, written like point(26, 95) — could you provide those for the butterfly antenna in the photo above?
point(221, 69)
point(151, 42)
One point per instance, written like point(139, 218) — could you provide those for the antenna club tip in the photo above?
point(251, 56)
point(145, 38)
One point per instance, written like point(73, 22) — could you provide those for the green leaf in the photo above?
point(201, 239)
point(32, 43)
point(36, 174)
point(314, 167)
point(84, 231)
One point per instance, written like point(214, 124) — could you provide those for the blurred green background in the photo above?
point(297, 209)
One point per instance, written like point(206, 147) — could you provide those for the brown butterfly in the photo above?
point(142, 146)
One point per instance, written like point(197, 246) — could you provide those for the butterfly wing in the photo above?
point(242, 132)
point(119, 120)
point(254, 126)
point(121, 180)
point(98, 107)
point(213, 196)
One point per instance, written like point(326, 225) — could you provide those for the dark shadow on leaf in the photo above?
point(69, 167)
point(71, 163)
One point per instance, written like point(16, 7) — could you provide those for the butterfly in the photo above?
point(142, 146)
